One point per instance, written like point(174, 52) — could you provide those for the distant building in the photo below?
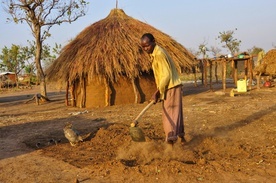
point(7, 79)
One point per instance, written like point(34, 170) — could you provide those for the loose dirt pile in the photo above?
point(229, 139)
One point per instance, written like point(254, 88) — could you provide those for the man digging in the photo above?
point(169, 89)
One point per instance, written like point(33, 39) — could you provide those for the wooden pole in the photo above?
point(216, 71)
point(250, 72)
point(258, 80)
point(82, 92)
point(205, 72)
point(245, 69)
point(194, 71)
point(107, 94)
point(67, 93)
point(235, 72)
point(135, 90)
point(224, 75)
point(211, 74)
point(72, 93)
point(202, 71)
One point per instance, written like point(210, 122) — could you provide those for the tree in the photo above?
point(50, 54)
point(13, 59)
point(231, 43)
point(255, 50)
point(47, 56)
point(203, 63)
point(203, 49)
point(29, 62)
point(215, 51)
point(194, 52)
point(41, 15)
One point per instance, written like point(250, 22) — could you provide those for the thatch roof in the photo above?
point(268, 63)
point(111, 48)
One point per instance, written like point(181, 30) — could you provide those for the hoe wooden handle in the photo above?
point(143, 112)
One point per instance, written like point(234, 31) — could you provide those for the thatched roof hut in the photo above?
point(107, 57)
point(267, 66)
point(268, 63)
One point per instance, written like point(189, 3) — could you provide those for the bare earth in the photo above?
point(229, 139)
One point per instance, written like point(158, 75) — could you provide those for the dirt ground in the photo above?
point(229, 139)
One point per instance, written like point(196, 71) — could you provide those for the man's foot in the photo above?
point(170, 142)
point(169, 145)
point(181, 140)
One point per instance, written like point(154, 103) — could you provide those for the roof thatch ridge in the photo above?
point(111, 48)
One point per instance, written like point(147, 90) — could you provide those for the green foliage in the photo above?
point(18, 58)
point(13, 58)
point(255, 50)
point(48, 55)
point(29, 69)
point(33, 79)
point(231, 43)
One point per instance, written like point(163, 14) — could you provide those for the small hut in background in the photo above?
point(105, 65)
point(7, 79)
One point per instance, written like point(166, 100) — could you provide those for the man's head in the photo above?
point(148, 43)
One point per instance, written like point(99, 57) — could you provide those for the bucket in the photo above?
point(241, 85)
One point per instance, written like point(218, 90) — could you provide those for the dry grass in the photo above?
point(268, 65)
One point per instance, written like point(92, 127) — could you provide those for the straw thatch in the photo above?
point(110, 49)
point(267, 66)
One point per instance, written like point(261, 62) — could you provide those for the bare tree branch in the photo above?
point(41, 15)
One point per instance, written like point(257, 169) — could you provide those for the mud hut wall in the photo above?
point(77, 94)
point(146, 87)
point(120, 92)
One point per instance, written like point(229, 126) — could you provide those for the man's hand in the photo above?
point(156, 96)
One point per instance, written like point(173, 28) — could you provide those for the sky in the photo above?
point(189, 22)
